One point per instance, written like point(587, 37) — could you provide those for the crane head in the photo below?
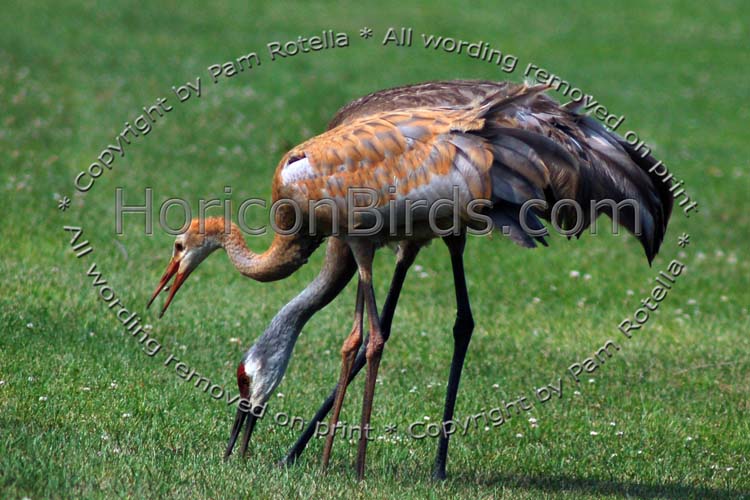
point(258, 375)
point(190, 249)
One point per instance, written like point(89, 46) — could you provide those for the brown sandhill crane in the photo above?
point(500, 142)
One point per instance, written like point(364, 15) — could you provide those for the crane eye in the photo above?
point(179, 247)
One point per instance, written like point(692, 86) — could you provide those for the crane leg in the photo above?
point(363, 254)
point(348, 353)
point(406, 256)
point(462, 330)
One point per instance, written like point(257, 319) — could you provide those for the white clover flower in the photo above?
point(574, 274)
point(127, 415)
point(30, 325)
point(594, 433)
point(42, 398)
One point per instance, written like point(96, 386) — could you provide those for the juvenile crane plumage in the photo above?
point(505, 143)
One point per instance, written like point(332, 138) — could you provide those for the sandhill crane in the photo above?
point(501, 142)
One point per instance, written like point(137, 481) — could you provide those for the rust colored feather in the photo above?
point(501, 141)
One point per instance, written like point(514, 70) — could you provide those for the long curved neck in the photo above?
point(337, 271)
point(279, 338)
point(285, 255)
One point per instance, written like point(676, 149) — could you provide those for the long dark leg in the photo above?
point(348, 352)
point(363, 254)
point(406, 256)
point(462, 330)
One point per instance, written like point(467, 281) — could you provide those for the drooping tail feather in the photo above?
point(549, 152)
point(542, 147)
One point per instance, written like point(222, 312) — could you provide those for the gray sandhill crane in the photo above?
point(496, 141)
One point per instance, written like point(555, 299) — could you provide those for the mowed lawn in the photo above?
point(85, 412)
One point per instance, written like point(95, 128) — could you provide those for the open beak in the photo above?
point(179, 279)
point(239, 419)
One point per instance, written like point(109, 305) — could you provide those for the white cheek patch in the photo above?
point(297, 170)
point(251, 367)
point(184, 263)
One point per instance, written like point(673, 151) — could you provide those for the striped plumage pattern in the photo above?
point(504, 142)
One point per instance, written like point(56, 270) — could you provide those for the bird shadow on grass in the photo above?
point(559, 484)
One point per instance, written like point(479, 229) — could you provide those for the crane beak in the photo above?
point(179, 279)
point(239, 419)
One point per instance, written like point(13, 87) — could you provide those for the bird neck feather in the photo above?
point(285, 255)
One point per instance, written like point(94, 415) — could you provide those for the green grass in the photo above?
point(117, 422)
